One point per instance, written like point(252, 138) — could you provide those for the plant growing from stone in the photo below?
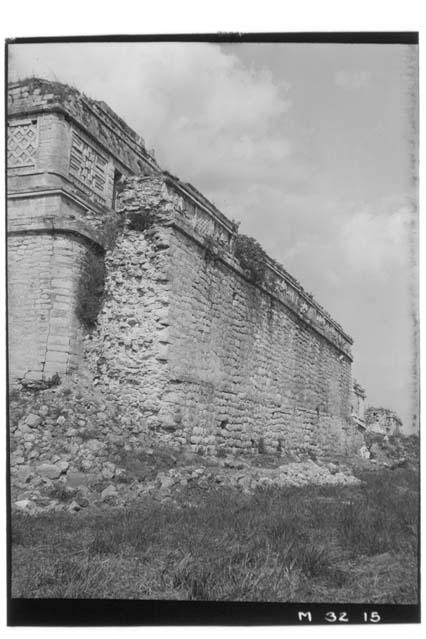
point(251, 257)
point(91, 290)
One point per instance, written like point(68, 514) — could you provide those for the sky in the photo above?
point(312, 147)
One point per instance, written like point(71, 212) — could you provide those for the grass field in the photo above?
point(310, 544)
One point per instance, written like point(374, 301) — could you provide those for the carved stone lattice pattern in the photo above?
point(203, 224)
point(87, 165)
point(22, 144)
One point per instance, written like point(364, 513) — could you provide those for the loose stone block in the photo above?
point(51, 471)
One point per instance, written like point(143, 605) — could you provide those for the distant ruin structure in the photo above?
point(383, 421)
point(358, 404)
point(123, 274)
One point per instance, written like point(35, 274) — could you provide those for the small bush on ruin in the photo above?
point(140, 221)
point(210, 250)
point(251, 257)
point(54, 381)
point(112, 227)
point(41, 385)
point(91, 291)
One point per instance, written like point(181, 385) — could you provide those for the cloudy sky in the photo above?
point(310, 146)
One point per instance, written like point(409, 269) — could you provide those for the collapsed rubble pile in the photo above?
point(393, 451)
point(70, 449)
point(73, 491)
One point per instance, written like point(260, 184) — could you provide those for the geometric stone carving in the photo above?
point(203, 223)
point(22, 143)
point(87, 164)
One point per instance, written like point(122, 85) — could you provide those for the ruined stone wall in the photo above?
point(187, 345)
point(126, 353)
point(47, 251)
point(242, 367)
point(65, 153)
point(358, 396)
point(44, 272)
point(383, 421)
point(32, 97)
point(200, 355)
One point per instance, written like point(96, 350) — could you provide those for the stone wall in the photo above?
point(243, 368)
point(202, 356)
point(358, 397)
point(44, 333)
point(49, 239)
point(383, 421)
point(126, 353)
point(187, 345)
point(32, 97)
point(65, 154)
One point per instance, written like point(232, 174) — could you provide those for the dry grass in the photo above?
point(298, 544)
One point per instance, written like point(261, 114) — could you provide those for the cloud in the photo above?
point(375, 244)
point(352, 79)
point(207, 116)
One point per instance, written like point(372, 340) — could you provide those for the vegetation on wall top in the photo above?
point(251, 257)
